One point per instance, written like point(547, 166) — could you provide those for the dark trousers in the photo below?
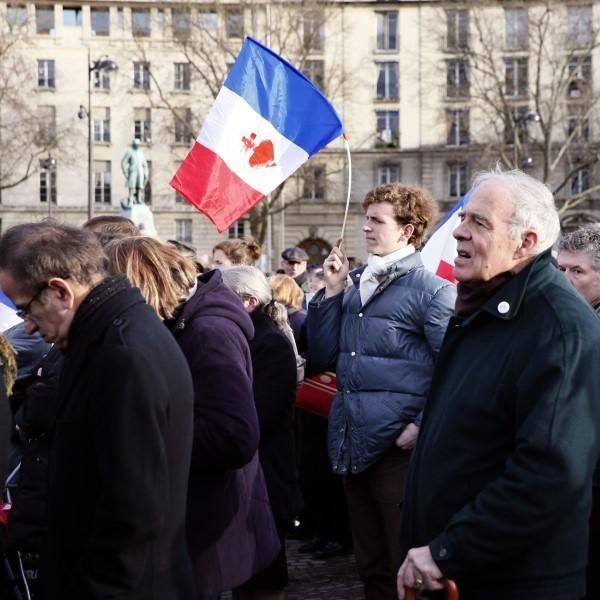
point(593, 568)
point(374, 498)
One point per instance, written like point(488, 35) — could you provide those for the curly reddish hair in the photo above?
point(412, 206)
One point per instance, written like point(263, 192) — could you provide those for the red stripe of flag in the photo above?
point(205, 181)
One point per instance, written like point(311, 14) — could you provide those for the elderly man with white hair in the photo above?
point(499, 491)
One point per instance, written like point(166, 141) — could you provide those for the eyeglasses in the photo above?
point(23, 311)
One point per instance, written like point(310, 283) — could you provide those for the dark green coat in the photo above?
point(500, 482)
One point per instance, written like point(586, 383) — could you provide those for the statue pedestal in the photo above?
point(142, 217)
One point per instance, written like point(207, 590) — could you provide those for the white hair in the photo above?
point(534, 207)
point(247, 282)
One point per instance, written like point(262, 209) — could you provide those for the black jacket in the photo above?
point(274, 385)
point(120, 456)
point(500, 480)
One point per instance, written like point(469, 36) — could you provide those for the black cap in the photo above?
point(294, 254)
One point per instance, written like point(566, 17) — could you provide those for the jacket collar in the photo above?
point(506, 302)
point(399, 268)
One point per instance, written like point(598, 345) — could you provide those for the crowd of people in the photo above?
point(152, 447)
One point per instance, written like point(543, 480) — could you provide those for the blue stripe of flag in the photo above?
point(5, 300)
point(284, 97)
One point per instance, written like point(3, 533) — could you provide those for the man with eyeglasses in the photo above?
point(121, 440)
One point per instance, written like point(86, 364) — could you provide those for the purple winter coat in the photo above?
point(230, 528)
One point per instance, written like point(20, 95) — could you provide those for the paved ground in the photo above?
point(311, 579)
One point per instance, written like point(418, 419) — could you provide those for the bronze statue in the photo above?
point(135, 170)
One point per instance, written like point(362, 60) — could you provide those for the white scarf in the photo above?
point(378, 266)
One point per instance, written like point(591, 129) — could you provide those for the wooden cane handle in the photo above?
point(449, 585)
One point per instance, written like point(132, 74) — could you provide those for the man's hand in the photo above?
point(408, 438)
point(335, 271)
point(418, 571)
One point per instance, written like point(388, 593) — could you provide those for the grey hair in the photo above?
point(248, 281)
point(586, 239)
point(534, 206)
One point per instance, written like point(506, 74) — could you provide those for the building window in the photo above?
point(101, 125)
point(183, 76)
point(517, 28)
point(16, 15)
point(457, 122)
point(140, 22)
point(387, 30)
point(208, 21)
point(44, 19)
point(314, 31)
point(47, 183)
point(580, 182)
point(72, 16)
point(46, 74)
point(457, 29)
point(100, 21)
point(101, 80)
point(387, 80)
point(183, 230)
point(141, 75)
point(120, 18)
point(181, 23)
point(160, 19)
point(578, 123)
point(142, 125)
point(388, 174)
point(315, 71)
point(516, 122)
point(234, 24)
point(516, 76)
point(102, 181)
point(183, 118)
point(148, 188)
point(579, 26)
point(457, 179)
point(46, 130)
point(580, 76)
point(314, 182)
point(237, 230)
point(387, 128)
point(457, 78)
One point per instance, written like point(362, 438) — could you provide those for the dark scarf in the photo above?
point(473, 295)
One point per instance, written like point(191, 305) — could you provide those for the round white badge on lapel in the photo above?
point(503, 307)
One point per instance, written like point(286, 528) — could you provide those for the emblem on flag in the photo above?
point(281, 119)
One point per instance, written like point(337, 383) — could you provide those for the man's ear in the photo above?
point(407, 231)
point(63, 290)
point(528, 247)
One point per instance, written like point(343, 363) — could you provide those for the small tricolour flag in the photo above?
point(439, 252)
point(267, 120)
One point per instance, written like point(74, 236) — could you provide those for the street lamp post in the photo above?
point(522, 120)
point(102, 64)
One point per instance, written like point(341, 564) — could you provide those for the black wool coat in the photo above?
point(500, 480)
point(274, 385)
point(120, 456)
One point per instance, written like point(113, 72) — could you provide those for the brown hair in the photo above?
point(110, 227)
point(286, 291)
point(412, 206)
point(9, 364)
point(240, 251)
point(33, 253)
point(162, 273)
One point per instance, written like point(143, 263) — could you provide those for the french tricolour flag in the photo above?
point(8, 316)
point(439, 252)
point(266, 121)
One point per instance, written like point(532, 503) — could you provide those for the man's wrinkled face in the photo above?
point(46, 310)
point(293, 268)
point(579, 270)
point(485, 245)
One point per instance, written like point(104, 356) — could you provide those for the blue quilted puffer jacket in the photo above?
point(383, 355)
